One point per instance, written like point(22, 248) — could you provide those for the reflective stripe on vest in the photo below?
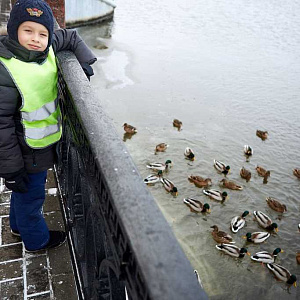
point(40, 112)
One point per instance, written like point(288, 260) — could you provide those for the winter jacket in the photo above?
point(15, 154)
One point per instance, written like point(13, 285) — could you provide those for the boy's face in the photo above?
point(33, 36)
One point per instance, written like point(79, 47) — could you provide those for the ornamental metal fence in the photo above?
point(119, 240)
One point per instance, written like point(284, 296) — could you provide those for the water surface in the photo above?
point(225, 69)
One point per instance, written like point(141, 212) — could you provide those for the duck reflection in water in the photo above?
point(127, 136)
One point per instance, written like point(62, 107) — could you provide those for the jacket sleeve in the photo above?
point(69, 39)
point(11, 159)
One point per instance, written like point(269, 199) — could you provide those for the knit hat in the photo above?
point(30, 10)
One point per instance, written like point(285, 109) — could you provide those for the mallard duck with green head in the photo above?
point(282, 274)
point(233, 250)
point(221, 236)
point(238, 222)
point(129, 128)
point(156, 166)
point(221, 167)
point(256, 237)
point(152, 179)
point(262, 134)
point(248, 151)
point(169, 186)
point(200, 181)
point(189, 154)
point(231, 185)
point(196, 206)
point(216, 195)
point(265, 221)
point(276, 205)
point(266, 257)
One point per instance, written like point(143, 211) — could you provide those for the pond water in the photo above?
point(225, 69)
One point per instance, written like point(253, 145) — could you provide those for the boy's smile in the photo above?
point(33, 36)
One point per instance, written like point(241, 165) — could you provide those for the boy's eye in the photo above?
point(43, 34)
point(27, 30)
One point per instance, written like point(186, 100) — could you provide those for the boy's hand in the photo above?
point(17, 182)
point(88, 70)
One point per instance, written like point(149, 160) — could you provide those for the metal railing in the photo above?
point(117, 233)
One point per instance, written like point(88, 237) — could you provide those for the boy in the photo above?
point(30, 120)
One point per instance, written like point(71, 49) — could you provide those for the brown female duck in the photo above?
point(276, 205)
point(296, 172)
point(200, 181)
point(221, 236)
point(262, 134)
point(129, 128)
point(177, 124)
point(245, 174)
point(162, 147)
point(263, 173)
point(231, 185)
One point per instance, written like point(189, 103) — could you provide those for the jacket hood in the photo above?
point(10, 48)
point(4, 52)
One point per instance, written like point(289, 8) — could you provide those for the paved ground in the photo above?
point(43, 275)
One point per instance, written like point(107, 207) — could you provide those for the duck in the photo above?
point(231, 185)
point(245, 174)
point(221, 236)
point(298, 257)
point(276, 205)
point(238, 222)
point(169, 186)
point(177, 124)
point(200, 181)
point(129, 128)
point(221, 167)
point(160, 166)
point(233, 250)
point(189, 153)
point(196, 206)
point(216, 195)
point(282, 274)
point(256, 237)
point(248, 151)
point(152, 179)
point(296, 172)
point(262, 134)
point(266, 257)
point(263, 173)
point(162, 147)
point(265, 221)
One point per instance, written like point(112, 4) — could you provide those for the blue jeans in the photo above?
point(26, 213)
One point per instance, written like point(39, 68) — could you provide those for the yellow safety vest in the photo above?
point(40, 112)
